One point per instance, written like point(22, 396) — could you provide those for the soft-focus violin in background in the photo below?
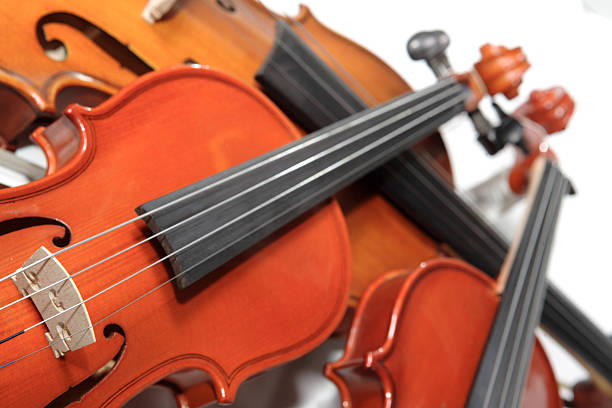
point(439, 335)
point(369, 215)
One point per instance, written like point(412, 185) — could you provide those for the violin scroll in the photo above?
point(545, 112)
point(501, 69)
point(551, 108)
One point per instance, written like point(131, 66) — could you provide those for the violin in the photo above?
point(235, 36)
point(441, 335)
point(79, 311)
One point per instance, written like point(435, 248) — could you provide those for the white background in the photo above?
point(567, 45)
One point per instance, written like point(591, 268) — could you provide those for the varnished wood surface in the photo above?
point(417, 339)
point(273, 304)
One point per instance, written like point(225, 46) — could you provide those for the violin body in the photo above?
point(272, 304)
point(417, 339)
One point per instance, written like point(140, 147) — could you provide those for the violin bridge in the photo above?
point(69, 328)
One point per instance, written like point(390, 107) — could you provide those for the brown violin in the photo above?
point(445, 334)
point(81, 52)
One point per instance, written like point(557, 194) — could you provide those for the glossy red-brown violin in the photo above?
point(442, 335)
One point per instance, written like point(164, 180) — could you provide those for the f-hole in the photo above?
point(78, 391)
point(109, 44)
point(18, 224)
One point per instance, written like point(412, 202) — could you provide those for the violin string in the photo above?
point(443, 172)
point(361, 152)
point(516, 358)
point(424, 105)
point(361, 89)
point(518, 364)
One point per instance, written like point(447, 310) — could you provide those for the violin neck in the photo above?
point(231, 211)
point(502, 371)
point(303, 86)
point(293, 75)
